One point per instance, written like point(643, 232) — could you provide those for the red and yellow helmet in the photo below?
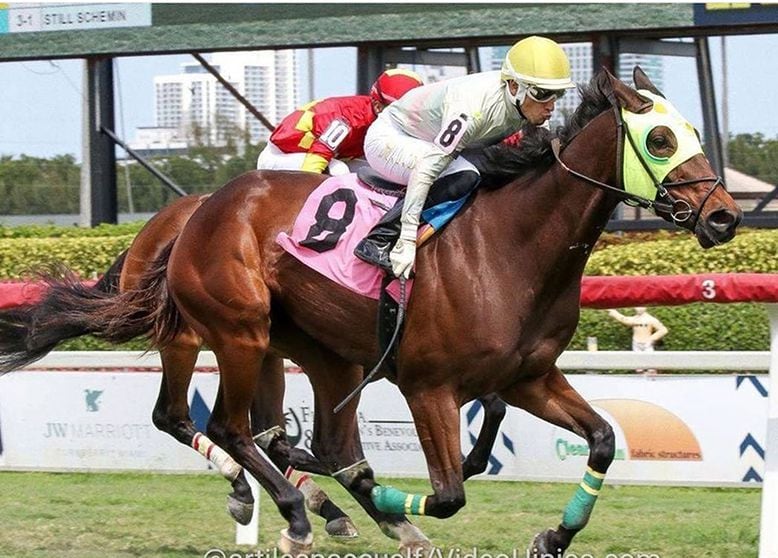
point(393, 84)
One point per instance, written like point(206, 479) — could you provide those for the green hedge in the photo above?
point(58, 231)
point(751, 251)
point(90, 252)
point(692, 327)
point(87, 256)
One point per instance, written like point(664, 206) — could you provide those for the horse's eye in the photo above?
point(661, 142)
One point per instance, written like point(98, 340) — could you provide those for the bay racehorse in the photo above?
point(171, 411)
point(48, 325)
point(494, 303)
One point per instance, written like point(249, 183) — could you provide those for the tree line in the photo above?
point(36, 186)
point(40, 186)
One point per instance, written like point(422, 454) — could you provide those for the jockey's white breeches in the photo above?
point(394, 154)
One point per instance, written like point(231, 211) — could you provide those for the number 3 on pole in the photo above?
point(335, 227)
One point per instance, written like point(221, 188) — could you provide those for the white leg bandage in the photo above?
point(227, 466)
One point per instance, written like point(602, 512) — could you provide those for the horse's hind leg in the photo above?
point(494, 412)
point(239, 362)
point(551, 398)
point(171, 415)
point(267, 425)
point(336, 440)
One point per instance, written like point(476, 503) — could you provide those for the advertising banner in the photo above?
point(39, 16)
point(684, 430)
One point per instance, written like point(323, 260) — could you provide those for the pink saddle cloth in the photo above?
point(335, 217)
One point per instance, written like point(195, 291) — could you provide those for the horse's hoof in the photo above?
point(341, 528)
point(543, 545)
point(240, 511)
point(421, 548)
point(293, 546)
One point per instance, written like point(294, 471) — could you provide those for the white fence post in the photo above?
point(768, 538)
point(249, 534)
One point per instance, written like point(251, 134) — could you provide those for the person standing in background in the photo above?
point(646, 330)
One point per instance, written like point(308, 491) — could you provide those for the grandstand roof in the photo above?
point(209, 27)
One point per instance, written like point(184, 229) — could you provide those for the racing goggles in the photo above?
point(540, 95)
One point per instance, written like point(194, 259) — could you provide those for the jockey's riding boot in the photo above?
point(376, 246)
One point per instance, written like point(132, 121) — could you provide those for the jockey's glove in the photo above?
point(404, 252)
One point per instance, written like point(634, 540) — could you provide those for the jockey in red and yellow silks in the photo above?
point(327, 129)
point(321, 134)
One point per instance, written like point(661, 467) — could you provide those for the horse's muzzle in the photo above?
point(718, 227)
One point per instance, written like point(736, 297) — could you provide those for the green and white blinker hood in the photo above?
point(638, 164)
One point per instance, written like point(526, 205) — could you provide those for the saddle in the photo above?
point(378, 183)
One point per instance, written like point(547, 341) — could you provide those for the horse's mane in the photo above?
point(500, 163)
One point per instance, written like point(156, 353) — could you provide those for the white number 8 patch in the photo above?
point(452, 132)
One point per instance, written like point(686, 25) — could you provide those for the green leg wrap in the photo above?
point(579, 508)
point(390, 500)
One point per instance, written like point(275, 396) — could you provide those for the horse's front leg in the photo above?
point(336, 443)
point(436, 416)
point(551, 398)
point(494, 412)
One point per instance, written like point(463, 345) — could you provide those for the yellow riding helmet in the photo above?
point(537, 61)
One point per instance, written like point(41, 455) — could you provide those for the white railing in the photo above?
point(570, 360)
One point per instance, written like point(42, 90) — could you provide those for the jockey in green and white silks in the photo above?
point(636, 173)
point(417, 139)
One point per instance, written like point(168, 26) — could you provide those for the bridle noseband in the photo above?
point(680, 210)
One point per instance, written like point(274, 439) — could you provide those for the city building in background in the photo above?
point(580, 56)
point(192, 107)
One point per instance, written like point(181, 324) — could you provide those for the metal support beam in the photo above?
point(99, 198)
point(656, 47)
point(605, 54)
point(428, 57)
point(371, 61)
point(708, 100)
point(473, 60)
point(235, 93)
point(770, 196)
point(145, 164)
point(761, 220)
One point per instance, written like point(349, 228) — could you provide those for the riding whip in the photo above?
point(392, 341)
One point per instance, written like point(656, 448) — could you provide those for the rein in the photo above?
point(368, 378)
point(679, 210)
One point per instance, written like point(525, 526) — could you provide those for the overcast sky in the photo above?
point(40, 102)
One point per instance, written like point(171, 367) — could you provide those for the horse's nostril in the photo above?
point(723, 219)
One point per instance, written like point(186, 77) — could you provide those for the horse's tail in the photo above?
point(109, 282)
point(70, 309)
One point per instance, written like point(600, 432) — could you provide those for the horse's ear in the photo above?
point(642, 81)
point(604, 80)
point(628, 98)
